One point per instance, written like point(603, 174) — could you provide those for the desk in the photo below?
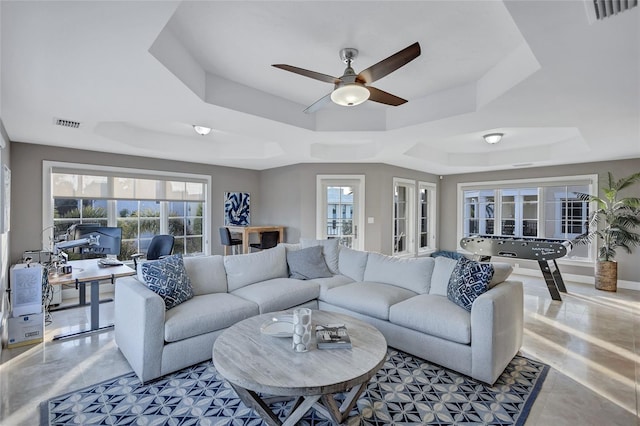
point(246, 230)
point(88, 272)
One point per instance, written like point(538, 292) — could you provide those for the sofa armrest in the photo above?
point(496, 329)
point(139, 326)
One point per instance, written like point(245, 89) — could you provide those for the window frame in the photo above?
point(591, 181)
point(49, 167)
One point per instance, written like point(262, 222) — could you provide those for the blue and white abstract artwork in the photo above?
point(236, 209)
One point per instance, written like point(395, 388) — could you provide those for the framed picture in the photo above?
point(236, 209)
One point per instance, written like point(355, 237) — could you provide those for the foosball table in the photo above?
point(544, 250)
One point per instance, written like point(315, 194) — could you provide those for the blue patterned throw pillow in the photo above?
point(168, 278)
point(469, 280)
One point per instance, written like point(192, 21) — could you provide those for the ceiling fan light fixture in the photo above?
point(492, 138)
point(350, 94)
point(202, 130)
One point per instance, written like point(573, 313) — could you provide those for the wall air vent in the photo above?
point(67, 123)
point(607, 8)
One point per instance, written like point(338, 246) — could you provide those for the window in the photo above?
point(544, 208)
point(413, 217)
point(340, 217)
point(426, 217)
point(339, 214)
point(143, 204)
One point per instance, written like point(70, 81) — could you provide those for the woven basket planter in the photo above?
point(607, 275)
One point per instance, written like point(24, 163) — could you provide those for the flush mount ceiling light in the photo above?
point(350, 94)
point(492, 138)
point(202, 130)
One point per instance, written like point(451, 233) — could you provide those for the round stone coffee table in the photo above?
point(254, 363)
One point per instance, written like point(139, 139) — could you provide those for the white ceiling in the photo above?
point(562, 87)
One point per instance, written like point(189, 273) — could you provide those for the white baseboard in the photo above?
point(582, 279)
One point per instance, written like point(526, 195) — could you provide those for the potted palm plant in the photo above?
point(613, 222)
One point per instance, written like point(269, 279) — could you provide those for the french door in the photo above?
point(340, 201)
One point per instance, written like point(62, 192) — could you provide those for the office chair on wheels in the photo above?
point(268, 239)
point(160, 246)
point(227, 241)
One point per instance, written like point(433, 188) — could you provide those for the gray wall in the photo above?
point(627, 264)
point(27, 187)
point(289, 197)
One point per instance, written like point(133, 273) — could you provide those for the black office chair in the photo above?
point(268, 239)
point(227, 241)
point(160, 246)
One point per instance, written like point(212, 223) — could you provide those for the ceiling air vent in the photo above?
point(67, 123)
point(607, 8)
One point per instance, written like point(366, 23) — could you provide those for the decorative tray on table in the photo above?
point(278, 326)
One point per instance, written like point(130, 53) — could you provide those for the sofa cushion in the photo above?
point(206, 313)
point(442, 271)
point(251, 268)
point(329, 251)
point(352, 263)
point(331, 282)
point(434, 315)
point(469, 280)
point(307, 263)
point(207, 274)
point(168, 278)
point(290, 246)
point(501, 271)
point(412, 274)
point(370, 298)
point(279, 293)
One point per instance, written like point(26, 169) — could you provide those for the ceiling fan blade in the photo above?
point(318, 104)
point(311, 74)
point(377, 95)
point(392, 63)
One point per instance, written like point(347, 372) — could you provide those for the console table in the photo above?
point(85, 272)
point(246, 230)
point(257, 365)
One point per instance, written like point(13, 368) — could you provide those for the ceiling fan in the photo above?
point(353, 89)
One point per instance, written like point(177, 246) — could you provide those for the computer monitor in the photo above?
point(109, 239)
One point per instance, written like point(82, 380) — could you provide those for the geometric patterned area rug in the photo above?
point(406, 390)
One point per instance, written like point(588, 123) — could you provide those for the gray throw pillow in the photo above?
point(468, 281)
point(329, 251)
point(307, 263)
point(168, 279)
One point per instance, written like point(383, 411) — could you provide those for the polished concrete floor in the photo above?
point(591, 340)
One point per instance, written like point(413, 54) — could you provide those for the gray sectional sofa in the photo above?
point(404, 298)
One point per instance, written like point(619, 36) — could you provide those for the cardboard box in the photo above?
point(26, 330)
